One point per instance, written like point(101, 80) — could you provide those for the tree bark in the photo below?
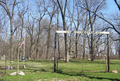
point(84, 45)
point(91, 26)
point(48, 39)
point(9, 9)
point(63, 13)
point(11, 38)
point(84, 40)
point(58, 34)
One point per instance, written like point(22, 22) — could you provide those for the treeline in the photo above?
point(35, 23)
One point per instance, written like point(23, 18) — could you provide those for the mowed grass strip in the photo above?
point(42, 70)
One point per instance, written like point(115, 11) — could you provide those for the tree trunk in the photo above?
point(66, 50)
point(37, 53)
point(58, 29)
point(64, 27)
point(92, 52)
point(31, 49)
point(20, 53)
point(48, 39)
point(38, 40)
point(71, 30)
point(65, 38)
point(91, 25)
point(11, 39)
point(84, 40)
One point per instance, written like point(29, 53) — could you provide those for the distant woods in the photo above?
point(36, 22)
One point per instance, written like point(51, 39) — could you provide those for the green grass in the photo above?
point(42, 70)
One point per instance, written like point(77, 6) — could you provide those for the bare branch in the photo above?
point(117, 4)
point(103, 19)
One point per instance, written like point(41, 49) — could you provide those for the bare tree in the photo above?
point(106, 20)
point(95, 6)
point(63, 14)
point(71, 16)
point(51, 14)
point(21, 13)
point(58, 29)
point(116, 37)
point(30, 30)
point(9, 7)
point(80, 16)
point(84, 39)
point(4, 36)
point(113, 26)
point(41, 11)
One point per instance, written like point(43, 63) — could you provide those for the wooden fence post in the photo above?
point(55, 52)
point(108, 53)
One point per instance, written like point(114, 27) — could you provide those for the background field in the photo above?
point(42, 70)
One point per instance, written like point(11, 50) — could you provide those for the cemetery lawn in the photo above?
point(75, 70)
